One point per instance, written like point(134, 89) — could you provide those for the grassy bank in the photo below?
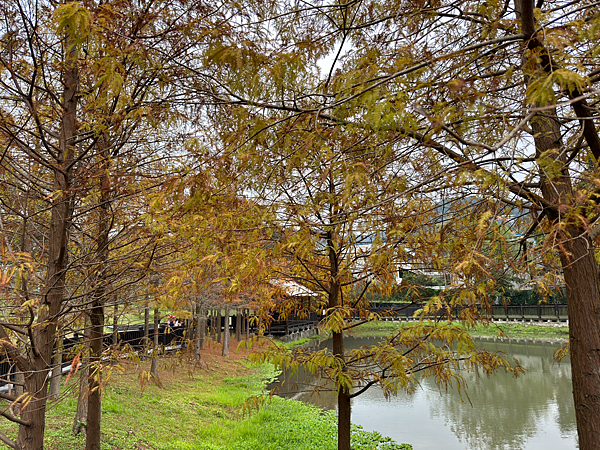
point(197, 408)
point(505, 330)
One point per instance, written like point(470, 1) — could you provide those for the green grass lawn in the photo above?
point(198, 408)
point(508, 330)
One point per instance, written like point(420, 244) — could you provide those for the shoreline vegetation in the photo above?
point(198, 404)
point(500, 330)
point(198, 407)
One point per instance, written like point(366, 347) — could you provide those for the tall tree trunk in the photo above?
point(238, 325)
point(575, 248)
point(213, 328)
point(581, 277)
point(247, 326)
point(198, 331)
point(202, 326)
point(219, 320)
point(115, 335)
point(98, 300)
point(95, 376)
point(146, 330)
point(334, 301)
point(154, 365)
point(225, 351)
point(344, 405)
point(31, 436)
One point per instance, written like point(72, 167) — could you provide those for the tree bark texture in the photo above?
point(334, 300)
point(575, 248)
point(95, 377)
point(98, 300)
point(581, 277)
point(44, 333)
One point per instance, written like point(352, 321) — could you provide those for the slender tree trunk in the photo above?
point(80, 420)
point(198, 331)
point(344, 405)
point(56, 377)
point(192, 325)
point(202, 326)
point(98, 300)
point(225, 351)
point(154, 365)
point(213, 328)
point(219, 320)
point(238, 325)
point(247, 326)
point(146, 345)
point(115, 336)
point(95, 377)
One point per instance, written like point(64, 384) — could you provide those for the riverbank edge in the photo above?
point(502, 331)
point(554, 333)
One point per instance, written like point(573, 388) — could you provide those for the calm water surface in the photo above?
point(532, 412)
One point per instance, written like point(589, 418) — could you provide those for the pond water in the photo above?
point(534, 411)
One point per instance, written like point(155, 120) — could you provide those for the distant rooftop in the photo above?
point(292, 288)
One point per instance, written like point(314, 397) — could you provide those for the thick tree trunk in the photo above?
point(581, 277)
point(575, 248)
point(31, 436)
point(225, 351)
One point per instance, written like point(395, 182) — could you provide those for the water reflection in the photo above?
point(534, 411)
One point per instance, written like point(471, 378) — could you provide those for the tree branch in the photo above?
point(25, 423)
point(9, 442)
